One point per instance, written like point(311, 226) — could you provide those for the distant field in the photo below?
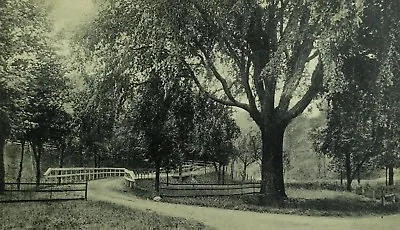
point(85, 215)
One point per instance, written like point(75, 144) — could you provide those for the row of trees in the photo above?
point(255, 55)
point(158, 75)
point(32, 84)
point(362, 132)
point(159, 118)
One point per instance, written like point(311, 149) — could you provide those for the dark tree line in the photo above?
point(362, 128)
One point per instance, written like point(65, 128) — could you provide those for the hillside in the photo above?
point(304, 163)
point(12, 157)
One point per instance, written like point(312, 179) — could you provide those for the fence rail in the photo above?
point(28, 192)
point(63, 175)
point(68, 175)
point(202, 190)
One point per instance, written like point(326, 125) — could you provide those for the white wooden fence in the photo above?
point(66, 175)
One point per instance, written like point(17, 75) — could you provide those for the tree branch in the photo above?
point(314, 55)
point(316, 82)
point(207, 62)
point(246, 85)
point(213, 97)
point(302, 49)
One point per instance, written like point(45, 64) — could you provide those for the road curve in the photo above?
point(107, 190)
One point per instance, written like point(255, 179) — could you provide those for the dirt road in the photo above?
point(105, 190)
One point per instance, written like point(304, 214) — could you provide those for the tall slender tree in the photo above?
point(161, 115)
point(249, 147)
point(215, 133)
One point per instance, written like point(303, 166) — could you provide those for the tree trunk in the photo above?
point(358, 177)
point(61, 157)
point(341, 177)
point(223, 174)
point(37, 152)
point(81, 157)
point(180, 173)
point(279, 173)
point(38, 164)
point(272, 181)
point(216, 170)
point(157, 181)
point(21, 164)
point(244, 173)
point(391, 175)
point(319, 167)
point(348, 172)
point(96, 159)
point(386, 176)
point(232, 168)
point(61, 160)
point(2, 170)
point(219, 173)
point(167, 176)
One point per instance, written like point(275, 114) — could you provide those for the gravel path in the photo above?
point(105, 190)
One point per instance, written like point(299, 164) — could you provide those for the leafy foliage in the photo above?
point(249, 147)
point(31, 83)
point(243, 54)
point(357, 132)
point(215, 133)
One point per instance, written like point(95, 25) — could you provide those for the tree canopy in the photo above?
point(248, 54)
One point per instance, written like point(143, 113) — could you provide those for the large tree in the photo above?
point(248, 54)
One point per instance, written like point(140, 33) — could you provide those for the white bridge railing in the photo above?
point(65, 175)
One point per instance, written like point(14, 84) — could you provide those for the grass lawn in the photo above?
point(85, 215)
point(312, 202)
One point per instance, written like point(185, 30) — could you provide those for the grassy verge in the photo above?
point(85, 215)
point(312, 202)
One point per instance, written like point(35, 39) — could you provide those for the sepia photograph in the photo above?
point(200, 114)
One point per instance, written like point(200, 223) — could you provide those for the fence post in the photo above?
point(86, 187)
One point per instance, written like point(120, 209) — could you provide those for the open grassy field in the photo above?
point(85, 215)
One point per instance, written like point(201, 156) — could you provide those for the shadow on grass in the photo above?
point(338, 206)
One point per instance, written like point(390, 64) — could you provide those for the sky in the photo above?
point(68, 14)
